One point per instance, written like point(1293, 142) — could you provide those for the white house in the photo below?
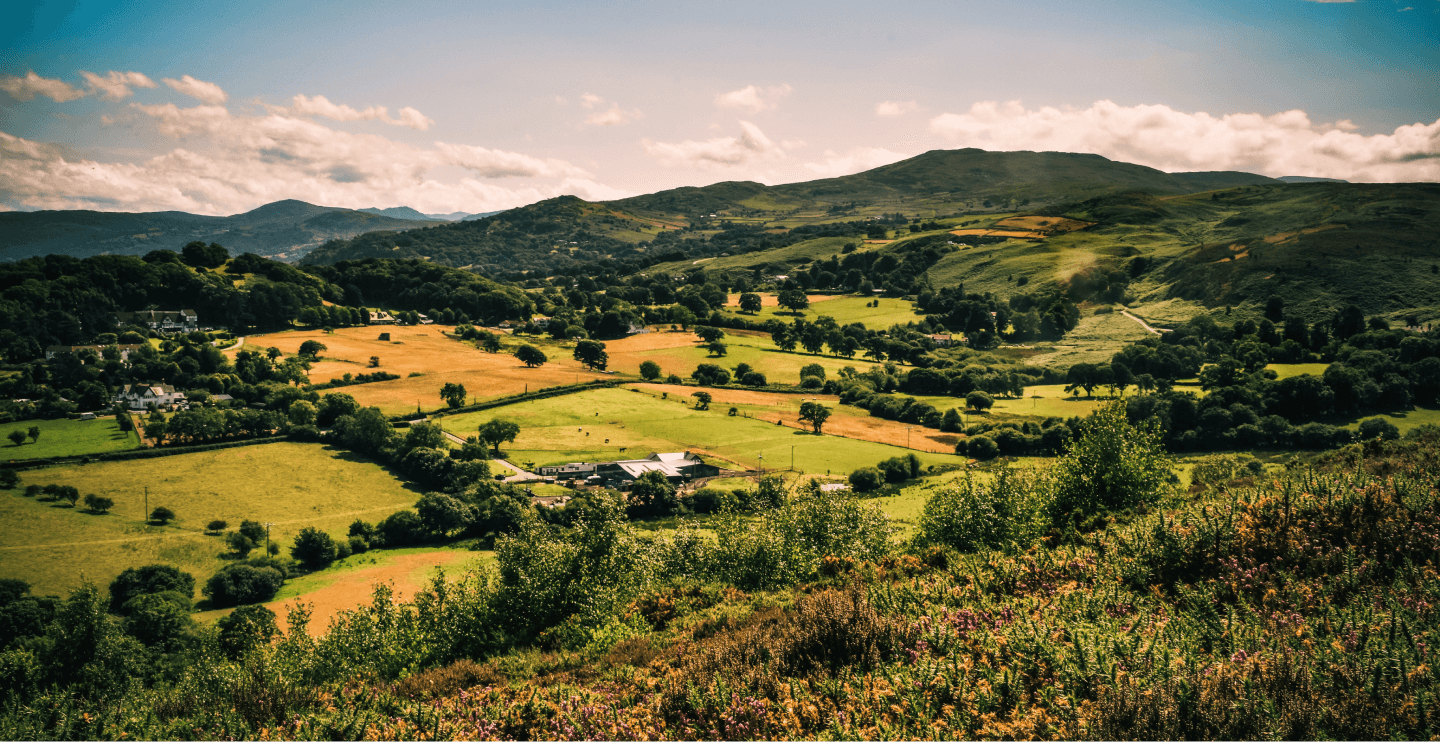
point(141, 396)
point(163, 320)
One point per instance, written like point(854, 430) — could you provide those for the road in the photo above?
point(1144, 324)
point(516, 473)
point(238, 344)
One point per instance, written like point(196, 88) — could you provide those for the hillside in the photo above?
point(284, 230)
point(561, 233)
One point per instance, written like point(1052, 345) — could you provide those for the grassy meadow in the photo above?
point(844, 309)
point(62, 438)
point(293, 485)
point(640, 421)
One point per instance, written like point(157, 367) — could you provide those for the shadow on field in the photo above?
point(347, 455)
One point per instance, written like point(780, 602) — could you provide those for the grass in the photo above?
point(680, 352)
point(1405, 421)
point(555, 431)
point(293, 485)
point(845, 310)
point(62, 438)
point(1287, 370)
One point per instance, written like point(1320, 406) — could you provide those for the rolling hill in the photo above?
point(284, 230)
point(551, 234)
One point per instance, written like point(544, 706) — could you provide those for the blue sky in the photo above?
point(490, 105)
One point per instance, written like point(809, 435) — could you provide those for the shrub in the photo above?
point(1378, 428)
point(979, 447)
point(242, 583)
point(9, 480)
point(753, 378)
point(98, 504)
point(245, 628)
point(148, 580)
point(868, 479)
point(970, 514)
point(1113, 465)
point(400, 529)
point(313, 548)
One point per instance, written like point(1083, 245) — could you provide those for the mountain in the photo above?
point(1308, 179)
point(404, 212)
point(564, 232)
point(284, 230)
point(473, 217)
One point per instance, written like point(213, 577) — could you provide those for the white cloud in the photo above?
point(27, 87)
point(116, 85)
point(752, 99)
point(612, 116)
point(494, 163)
point(722, 152)
point(855, 161)
point(321, 106)
point(205, 92)
point(232, 163)
point(896, 107)
point(1285, 143)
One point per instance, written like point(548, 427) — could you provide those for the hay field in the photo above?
point(293, 485)
point(555, 431)
point(351, 582)
point(436, 358)
point(773, 300)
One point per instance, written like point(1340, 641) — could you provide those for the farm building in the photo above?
point(163, 320)
point(677, 467)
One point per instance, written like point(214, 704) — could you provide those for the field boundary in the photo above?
point(142, 453)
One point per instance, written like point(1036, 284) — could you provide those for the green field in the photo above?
point(759, 351)
point(554, 431)
point(293, 485)
point(1287, 370)
point(1405, 421)
point(845, 310)
point(62, 438)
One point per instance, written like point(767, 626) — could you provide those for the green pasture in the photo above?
point(1287, 370)
point(845, 310)
point(760, 352)
point(555, 431)
point(292, 485)
point(63, 438)
point(1405, 421)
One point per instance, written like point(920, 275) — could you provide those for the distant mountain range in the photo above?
point(405, 212)
point(1308, 179)
point(284, 230)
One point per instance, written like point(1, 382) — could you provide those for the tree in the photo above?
point(497, 431)
point(530, 356)
point(1113, 465)
point(1275, 309)
point(868, 479)
point(313, 548)
point(245, 628)
point(16, 436)
point(717, 349)
point(159, 619)
point(709, 334)
point(148, 580)
point(70, 495)
point(98, 504)
point(1378, 428)
point(453, 394)
point(655, 493)
point(490, 342)
point(162, 515)
point(239, 543)
point(367, 431)
point(592, 354)
point(199, 255)
point(702, 400)
point(34, 433)
point(794, 299)
point(312, 348)
point(650, 370)
point(814, 413)
point(243, 583)
point(709, 374)
point(750, 303)
point(303, 412)
point(443, 514)
point(374, 361)
point(979, 401)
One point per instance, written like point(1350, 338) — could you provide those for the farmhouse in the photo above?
point(162, 320)
point(942, 341)
point(380, 317)
point(141, 396)
point(678, 467)
point(57, 350)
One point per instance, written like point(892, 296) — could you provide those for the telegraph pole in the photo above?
point(146, 514)
point(267, 537)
